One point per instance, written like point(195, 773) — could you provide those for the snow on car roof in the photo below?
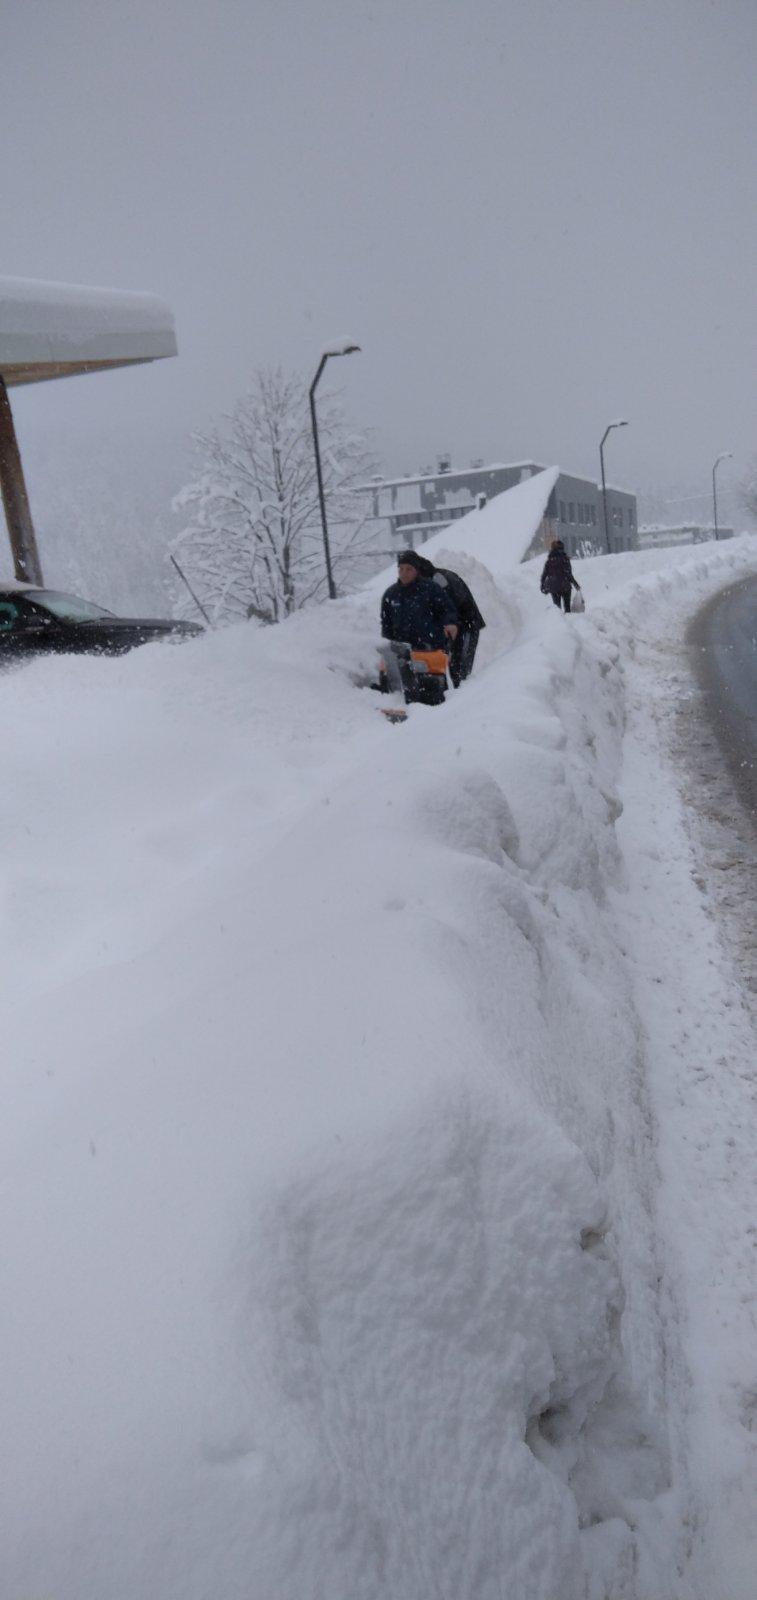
point(55, 330)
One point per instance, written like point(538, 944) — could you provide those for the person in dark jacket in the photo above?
point(557, 576)
point(416, 611)
point(470, 618)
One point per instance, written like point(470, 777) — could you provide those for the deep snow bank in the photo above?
point(331, 1262)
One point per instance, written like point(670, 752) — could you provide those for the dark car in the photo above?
point(34, 621)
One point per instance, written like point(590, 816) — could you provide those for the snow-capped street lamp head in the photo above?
point(341, 347)
point(621, 422)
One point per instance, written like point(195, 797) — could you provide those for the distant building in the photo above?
point(659, 538)
point(413, 508)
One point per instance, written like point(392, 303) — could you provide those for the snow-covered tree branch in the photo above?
point(252, 544)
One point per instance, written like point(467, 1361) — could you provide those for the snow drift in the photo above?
point(331, 1259)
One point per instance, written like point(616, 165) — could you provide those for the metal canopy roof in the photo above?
point(58, 330)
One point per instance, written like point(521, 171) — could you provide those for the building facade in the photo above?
point(411, 509)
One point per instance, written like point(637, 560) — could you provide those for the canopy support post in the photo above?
point(15, 499)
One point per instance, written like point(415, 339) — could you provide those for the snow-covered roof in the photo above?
point(458, 472)
point(472, 472)
point(56, 330)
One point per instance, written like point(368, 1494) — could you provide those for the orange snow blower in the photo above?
point(420, 676)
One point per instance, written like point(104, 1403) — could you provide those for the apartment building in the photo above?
point(411, 509)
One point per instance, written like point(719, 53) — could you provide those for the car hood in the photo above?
point(156, 625)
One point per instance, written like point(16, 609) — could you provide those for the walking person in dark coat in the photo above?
point(415, 611)
point(557, 576)
point(471, 621)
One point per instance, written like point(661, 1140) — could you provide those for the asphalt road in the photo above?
point(723, 641)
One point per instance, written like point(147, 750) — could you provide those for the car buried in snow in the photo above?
point(36, 621)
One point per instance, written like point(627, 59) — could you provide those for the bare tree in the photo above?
point(253, 543)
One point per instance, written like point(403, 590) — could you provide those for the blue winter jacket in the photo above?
point(416, 613)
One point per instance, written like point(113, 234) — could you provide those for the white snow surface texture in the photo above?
point(345, 1254)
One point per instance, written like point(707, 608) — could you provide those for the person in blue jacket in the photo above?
point(415, 611)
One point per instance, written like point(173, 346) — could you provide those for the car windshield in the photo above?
point(67, 607)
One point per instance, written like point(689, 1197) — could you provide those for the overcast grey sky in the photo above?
point(534, 215)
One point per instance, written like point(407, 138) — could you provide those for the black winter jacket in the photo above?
point(557, 576)
point(467, 610)
point(416, 613)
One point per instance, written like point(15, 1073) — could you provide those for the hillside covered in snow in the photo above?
point(375, 1165)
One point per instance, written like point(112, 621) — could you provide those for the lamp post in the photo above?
point(345, 349)
point(621, 424)
point(725, 455)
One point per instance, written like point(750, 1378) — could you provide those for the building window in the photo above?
point(580, 514)
point(630, 516)
point(571, 511)
point(562, 510)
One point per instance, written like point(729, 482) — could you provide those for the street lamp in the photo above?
point(621, 424)
point(725, 455)
point(345, 349)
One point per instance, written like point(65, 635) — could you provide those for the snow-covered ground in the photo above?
point(375, 1158)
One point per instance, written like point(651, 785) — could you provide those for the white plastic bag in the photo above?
point(577, 602)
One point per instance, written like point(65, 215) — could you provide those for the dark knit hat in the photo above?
point(409, 558)
point(425, 567)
